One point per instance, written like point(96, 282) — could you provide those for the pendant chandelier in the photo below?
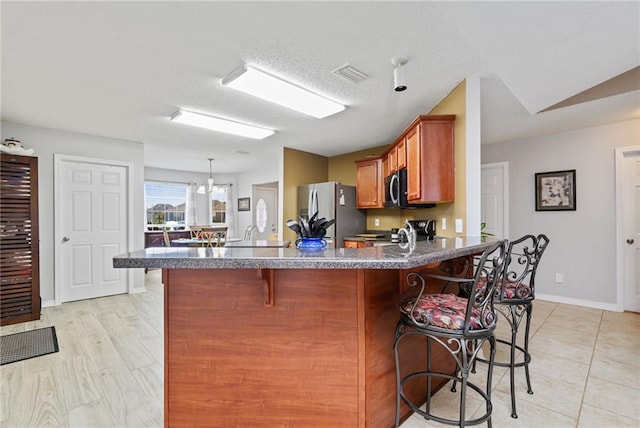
point(202, 190)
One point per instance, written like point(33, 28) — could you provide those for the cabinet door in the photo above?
point(414, 164)
point(401, 154)
point(430, 160)
point(438, 163)
point(369, 184)
point(393, 161)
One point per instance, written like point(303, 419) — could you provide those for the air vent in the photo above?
point(349, 73)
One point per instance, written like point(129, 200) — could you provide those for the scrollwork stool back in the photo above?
point(457, 324)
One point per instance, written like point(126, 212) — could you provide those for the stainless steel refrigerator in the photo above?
point(336, 201)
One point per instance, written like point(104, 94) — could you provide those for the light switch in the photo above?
point(443, 224)
point(458, 225)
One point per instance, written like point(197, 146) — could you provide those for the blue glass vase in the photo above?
point(311, 244)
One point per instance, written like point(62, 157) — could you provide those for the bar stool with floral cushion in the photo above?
point(458, 325)
point(514, 300)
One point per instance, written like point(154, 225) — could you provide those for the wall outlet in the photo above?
point(443, 224)
point(376, 222)
point(458, 225)
point(559, 278)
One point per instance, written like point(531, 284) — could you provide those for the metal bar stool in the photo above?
point(457, 324)
point(515, 295)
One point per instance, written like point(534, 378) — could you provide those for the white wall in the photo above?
point(269, 171)
point(45, 143)
point(582, 245)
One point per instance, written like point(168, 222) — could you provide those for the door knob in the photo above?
point(65, 239)
point(630, 241)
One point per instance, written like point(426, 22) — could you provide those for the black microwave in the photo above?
point(395, 191)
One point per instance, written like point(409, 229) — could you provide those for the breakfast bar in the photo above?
point(280, 337)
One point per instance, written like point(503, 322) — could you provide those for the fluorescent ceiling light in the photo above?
point(270, 88)
point(221, 125)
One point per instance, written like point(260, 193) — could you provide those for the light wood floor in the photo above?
point(109, 371)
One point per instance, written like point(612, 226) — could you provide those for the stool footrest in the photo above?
point(430, 416)
point(527, 357)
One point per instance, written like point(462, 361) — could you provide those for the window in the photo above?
point(165, 205)
point(219, 204)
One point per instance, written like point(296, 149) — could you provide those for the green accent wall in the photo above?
point(299, 168)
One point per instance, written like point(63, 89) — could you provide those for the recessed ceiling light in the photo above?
point(221, 125)
point(262, 85)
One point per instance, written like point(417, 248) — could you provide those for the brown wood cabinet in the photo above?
point(369, 183)
point(430, 160)
point(357, 244)
point(393, 162)
point(19, 240)
point(401, 153)
point(426, 149)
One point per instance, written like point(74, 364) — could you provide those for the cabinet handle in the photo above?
point(65, 239)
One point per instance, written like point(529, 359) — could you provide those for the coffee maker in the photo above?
point(425, 229)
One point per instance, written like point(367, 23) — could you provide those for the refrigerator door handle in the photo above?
point(313, 202)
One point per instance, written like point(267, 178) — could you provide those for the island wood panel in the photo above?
point(321, 356)
point(231, 361)
point(382, 296)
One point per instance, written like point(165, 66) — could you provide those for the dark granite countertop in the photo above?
point(386, 257)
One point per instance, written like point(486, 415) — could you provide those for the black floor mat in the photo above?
point(28, 344)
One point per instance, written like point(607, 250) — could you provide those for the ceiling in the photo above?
point(121, 69)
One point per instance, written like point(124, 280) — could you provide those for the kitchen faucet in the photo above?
point(410, 232)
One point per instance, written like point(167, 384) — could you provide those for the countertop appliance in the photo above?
point(395, 191)
point(336, 201)
point(425, 229)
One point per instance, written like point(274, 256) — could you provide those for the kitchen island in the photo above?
point(278, 337)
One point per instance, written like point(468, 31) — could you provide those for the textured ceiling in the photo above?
point(121, 69)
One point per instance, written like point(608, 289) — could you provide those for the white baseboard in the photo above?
point(48, 303)
point(138, 290)
point(578, 302)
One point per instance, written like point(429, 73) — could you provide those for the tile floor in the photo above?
point(108, 373)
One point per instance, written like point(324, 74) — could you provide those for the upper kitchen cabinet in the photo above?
point(369, 183)
point(430, 159)
point(401, 154)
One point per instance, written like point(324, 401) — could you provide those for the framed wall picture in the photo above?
point(556, 191)
point(244, 204)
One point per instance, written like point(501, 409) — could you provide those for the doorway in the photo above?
point(628, 228)
point(92, 218)
point(265, 211)
point(495, 199)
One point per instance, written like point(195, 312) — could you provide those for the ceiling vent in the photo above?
point(349, 73)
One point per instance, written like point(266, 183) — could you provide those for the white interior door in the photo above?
point(92, 217)
point(495, 199)
point(631, 230)
point(265, 212)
